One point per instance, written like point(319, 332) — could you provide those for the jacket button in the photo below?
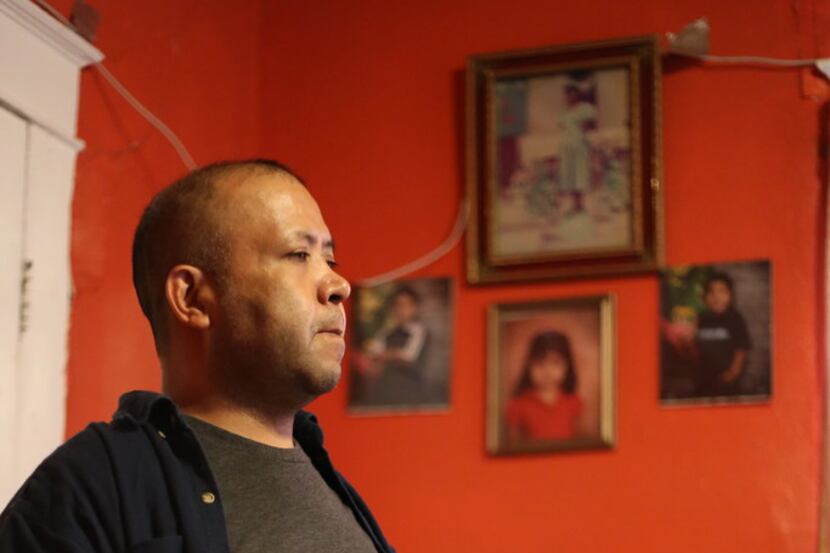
point(208, 498)
point(162, 434)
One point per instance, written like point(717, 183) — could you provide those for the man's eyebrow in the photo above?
point(312, 240)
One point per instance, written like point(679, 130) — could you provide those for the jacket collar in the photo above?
point(139, 406)
point(142, 407)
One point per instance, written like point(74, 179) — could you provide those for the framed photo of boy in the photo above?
point(550, 384)
point(564, 161)
point(401, 347)
point(716, 333)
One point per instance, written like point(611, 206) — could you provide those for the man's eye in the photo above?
point(300, 256)
point(332, 263)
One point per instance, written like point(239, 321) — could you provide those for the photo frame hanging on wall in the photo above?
point(551, 371)
point(401, 352)
point(716, 333)
point(564, 161)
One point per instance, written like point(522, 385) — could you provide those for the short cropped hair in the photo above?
point(180, 226)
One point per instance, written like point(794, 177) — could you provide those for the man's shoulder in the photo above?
point(85, 463)
point(83, 451)
point(82, 465)
point(73, 482)
point(72, 500)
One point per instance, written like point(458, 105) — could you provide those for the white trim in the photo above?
point(41, 378)
point(55, 34)
point(13, 152)
point(75, 143)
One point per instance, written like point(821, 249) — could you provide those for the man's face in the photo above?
point(277, 339)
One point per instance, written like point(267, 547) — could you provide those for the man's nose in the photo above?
point(334, 289)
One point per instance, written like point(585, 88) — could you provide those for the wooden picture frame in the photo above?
point(551, 375)
point(564, 163)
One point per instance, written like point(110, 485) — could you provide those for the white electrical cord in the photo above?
point(429, 258)
point(750, 60)
point(461, 219)
point(692, 41)
point(171, 137)
point(423, 261)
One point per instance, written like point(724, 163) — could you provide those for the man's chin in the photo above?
point(323, 380)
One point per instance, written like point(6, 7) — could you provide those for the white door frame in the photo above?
point(40, 63)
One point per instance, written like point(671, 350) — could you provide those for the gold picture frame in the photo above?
point(531, 405)
point(564, 164)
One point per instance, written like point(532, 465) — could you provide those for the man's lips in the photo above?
point(335, 325)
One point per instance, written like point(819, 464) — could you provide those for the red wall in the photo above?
point(196, 65)
point(365, 99)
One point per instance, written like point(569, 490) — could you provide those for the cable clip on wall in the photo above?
point(693, 42)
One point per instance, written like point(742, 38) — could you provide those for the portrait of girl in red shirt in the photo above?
point(545, 404)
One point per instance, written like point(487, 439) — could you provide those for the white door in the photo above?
point(41, 386)
point(13, 140)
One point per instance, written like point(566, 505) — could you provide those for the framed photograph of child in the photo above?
point(715, 333)
point(550, 384)
point(401, 347)
point(564, 162)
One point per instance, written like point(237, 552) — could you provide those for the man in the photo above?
point(234, 268)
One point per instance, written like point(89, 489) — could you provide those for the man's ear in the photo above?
point(189, 294)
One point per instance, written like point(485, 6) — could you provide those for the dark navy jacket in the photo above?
point(141, 484)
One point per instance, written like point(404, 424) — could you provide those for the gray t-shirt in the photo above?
point(274, 499)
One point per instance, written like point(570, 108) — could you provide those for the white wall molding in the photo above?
point(51, 32)
point(40, 62)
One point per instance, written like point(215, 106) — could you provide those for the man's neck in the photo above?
point(275, 431)
point(185, 382)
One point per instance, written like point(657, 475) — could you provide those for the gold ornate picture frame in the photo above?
point(551, 375)
point(564, 161)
